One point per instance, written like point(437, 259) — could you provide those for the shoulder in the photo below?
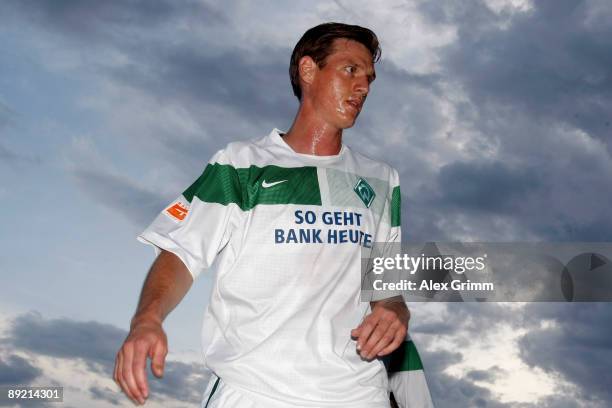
point(240, 153)
point(373, 167)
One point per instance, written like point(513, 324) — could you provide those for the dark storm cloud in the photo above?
point(17, 370)
point(138, 205)
point(438, 361)
point(87, 21)
point(597, 231)
point(259, 91)
point(96, 344)
point(181, 69)
point(449, 391)
point(185, 72)
point(493, 187)
point(93, 342)
point(577, 345)
point(465, 318)
point(556, 401)
point(534, 80)
point(554, 63)
point(255, 95)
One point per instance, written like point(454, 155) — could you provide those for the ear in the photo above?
point(307, 69)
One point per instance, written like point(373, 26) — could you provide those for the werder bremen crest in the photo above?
point(365, 192)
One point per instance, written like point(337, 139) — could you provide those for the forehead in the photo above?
point(345, 49)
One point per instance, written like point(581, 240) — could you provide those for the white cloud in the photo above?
point(407, 39)
point(489, 344)
point(511, 6)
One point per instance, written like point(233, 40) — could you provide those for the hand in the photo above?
point(146, 339)
point(383, 330)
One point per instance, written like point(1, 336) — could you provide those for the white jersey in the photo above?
point(287, 230)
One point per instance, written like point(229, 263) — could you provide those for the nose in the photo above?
point(362, 86)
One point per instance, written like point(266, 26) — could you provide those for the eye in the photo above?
point(350, 69)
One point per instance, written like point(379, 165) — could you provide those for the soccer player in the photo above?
point(285, 217)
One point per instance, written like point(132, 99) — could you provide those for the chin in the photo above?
point(347, 123)
point(343, 121)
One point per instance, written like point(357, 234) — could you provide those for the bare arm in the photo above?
point(165, 286)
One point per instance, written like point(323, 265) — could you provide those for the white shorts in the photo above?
point(219, 395)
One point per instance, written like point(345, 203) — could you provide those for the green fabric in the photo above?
point(396, 207)
point(405, 358)
point(212, 391)
point(225, 184)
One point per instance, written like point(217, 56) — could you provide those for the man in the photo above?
point(285, 217)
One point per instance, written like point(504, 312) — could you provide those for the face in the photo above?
point(339, 89)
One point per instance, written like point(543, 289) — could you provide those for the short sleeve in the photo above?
point(198, 224)
point(395, 210)
point(407, 379)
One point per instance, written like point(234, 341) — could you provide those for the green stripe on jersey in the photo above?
point(396, 207)
point(212, 392)
point(405, 358)
point(250, 186)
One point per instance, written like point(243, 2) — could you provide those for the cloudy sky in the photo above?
point(496, 113)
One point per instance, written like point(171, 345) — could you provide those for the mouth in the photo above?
point(356, 104)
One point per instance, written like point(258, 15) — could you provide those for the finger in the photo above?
point(378, 335)
point(139, 367)
point(355, 332)
point(122, 382)
point(367, 327)
point(116, 371)
point(128, 373)
point(388, 337)
point(158, 358)
point(400, 337)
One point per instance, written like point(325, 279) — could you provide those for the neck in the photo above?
point(310, 135)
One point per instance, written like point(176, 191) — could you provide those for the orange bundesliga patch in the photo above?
point(178, 211)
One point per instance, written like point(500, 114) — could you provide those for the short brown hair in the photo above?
point(317, 43)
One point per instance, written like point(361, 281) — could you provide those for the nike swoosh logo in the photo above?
point(264, 184)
